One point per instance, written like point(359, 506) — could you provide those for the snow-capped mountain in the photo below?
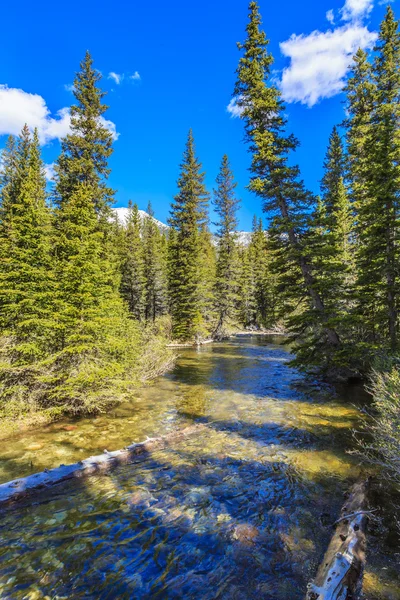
point(243, 237)
point(122, 214)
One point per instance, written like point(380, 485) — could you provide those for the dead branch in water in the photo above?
point(340, 575)
point(21, 488)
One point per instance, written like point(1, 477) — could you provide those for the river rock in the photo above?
point(245, 534)
point(34, 447)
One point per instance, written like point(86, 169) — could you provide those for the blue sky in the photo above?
point(172, 67)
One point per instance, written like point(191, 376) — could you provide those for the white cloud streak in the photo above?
point(49, 172)
point(320, 61)
point(330, 15)
point(354, 10)
point(136, 76)
point(233, 109)
point(117, 77)
point(18, 107)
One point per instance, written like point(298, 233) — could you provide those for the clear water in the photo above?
point(240, 510)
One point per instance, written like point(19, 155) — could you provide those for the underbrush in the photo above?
point(82, 380)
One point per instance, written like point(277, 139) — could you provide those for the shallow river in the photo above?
point(239, 511)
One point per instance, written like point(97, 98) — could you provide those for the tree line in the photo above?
point(336, 256)
point(87, 304)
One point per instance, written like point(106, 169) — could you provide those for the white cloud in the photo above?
point(330, 15)
point(18, 107)
point(69, 87)
point(233, 109)
point(49, 171)
point(356, 9)
point(136, 76)
point(117, 77)
point(320, 61)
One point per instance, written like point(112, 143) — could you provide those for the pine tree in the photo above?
point(277, 182)
point(86, 150)
point(97, 344)
point(266, 302)
point(26, 283)
point(226, 285)
point(334, 171)
point(188, 215)
point(383, 243)
point(207, 275)
point(247, 304)
point(156, 286)
point(373, 142)
point(332, 240)
point(133, 278)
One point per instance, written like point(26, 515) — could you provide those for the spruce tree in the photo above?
point(133, 266)
point(226, 205)
point(383, 226)
point(188, 215)
point(278, 184)
point(86, 149)
point(97, 343)
point(247, 304)
point(265, 293)
point(26, 282)
point(155, 275)
point(332, 241)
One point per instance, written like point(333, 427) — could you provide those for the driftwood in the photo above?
point(193, 344)
point(340, 574)
point(26, 486)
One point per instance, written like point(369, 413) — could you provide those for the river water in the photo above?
point(240, 510)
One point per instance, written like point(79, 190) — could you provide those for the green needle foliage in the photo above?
point(26, 284)
point(188, 216)
point(155, 271)
point(285, 200)
point(226, 205)
point(333, 244)
point(133, 278)
point(86, 150)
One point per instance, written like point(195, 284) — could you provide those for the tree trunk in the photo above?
point(27, 486)
point(340, 575)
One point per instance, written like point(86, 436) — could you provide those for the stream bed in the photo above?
point(241, 510)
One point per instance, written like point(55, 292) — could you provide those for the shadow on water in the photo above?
point(240, 511)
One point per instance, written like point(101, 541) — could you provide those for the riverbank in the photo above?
point(156, 359)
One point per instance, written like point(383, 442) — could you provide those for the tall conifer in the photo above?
point(278, 183)
point(188, 215)
point(133, 266)
point(226, 285)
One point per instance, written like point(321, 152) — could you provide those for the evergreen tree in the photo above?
point(381, 219)
point(86, 150)
point(26, 283)
point(97, 344)
point(334, 171)
point(207, 274)
point(266, 303)
point(278, 183)
point(133, 278)
point(226, 285)
point(332, 241)
point(188, 215)
point(156, 286)
point(247, 305)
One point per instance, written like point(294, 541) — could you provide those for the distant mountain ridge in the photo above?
point(244, 237)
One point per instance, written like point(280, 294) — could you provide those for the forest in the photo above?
point(89, 305)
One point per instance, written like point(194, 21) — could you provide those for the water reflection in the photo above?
point(238, 511)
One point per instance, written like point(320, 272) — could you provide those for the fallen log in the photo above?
point(340, 574)
point(26, 486)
